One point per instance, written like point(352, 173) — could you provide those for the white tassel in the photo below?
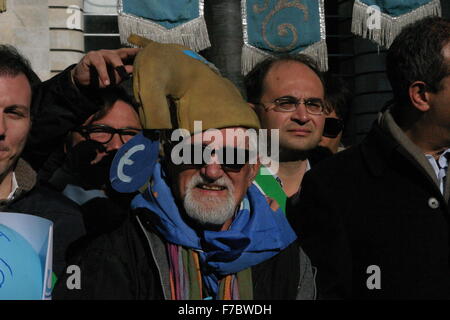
point(390, 26)
point(250, 57)
point(319, 52)
point(192, 34)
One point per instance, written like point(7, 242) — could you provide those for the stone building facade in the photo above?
point(48, 32)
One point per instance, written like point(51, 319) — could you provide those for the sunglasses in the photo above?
point(332, 127)
point(200, 155)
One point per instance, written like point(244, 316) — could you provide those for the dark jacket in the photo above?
point(47, 203)
point(132, 263)
point(315, 156)
point(375, 205)
point(58, 106)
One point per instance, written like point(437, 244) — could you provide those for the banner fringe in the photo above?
point(193, 34)
point(319, 52)
point(390, 26)
point(251, 56)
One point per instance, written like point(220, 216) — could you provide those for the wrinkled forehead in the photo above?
point(234, 137)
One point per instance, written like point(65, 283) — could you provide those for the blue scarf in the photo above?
point(256, 234)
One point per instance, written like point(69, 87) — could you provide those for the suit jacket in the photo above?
point(374, 206)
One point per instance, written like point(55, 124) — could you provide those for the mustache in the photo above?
point(198, 180)
point(298, 125)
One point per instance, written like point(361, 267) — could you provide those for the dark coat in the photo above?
point(131, 263)
point(57, 107)
point(374, 205)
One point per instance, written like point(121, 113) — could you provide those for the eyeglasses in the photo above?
point(332, 127)
point(230, 159)
point(313, 106)
point(104, 134)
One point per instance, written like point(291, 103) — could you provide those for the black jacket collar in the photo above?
point(379, 148)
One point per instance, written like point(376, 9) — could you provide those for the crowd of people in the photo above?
point(369, 221)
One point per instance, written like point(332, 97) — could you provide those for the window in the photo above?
point(100, 23)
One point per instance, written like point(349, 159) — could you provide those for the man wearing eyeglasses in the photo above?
point(338, 99)
point(90, 148)
point(287, 93)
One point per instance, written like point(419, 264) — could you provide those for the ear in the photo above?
point(254, 169)
point(418, 96)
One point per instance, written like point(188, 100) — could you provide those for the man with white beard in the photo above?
point(199, 229)
point(211, 189)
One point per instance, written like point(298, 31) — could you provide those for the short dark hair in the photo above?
point(107, 97)
point(416, 55)
point(12, 63)
point(337, 95)
point(254, 80)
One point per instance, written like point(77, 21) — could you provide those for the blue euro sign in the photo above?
point(125, 160)
point(133, 164)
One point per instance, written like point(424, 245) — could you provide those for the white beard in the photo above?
point(209, 209)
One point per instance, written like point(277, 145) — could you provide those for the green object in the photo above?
point(54, 279)
point(267, 182)
point(189, 264)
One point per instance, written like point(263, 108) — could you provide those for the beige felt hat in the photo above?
point(195, 91)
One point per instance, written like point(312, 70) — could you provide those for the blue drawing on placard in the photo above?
point(21, 274)
point(4, 263)
point(4, 235)
point(2, 274)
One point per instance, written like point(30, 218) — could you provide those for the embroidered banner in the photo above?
point(381, 21)
point(274, 27)
point(170, 21)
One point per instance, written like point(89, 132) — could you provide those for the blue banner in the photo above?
point(170, 21)
point(168, 14)
point(396, 8)
point(381, 20)
point(282, 26)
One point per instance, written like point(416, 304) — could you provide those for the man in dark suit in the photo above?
point(374, 219)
